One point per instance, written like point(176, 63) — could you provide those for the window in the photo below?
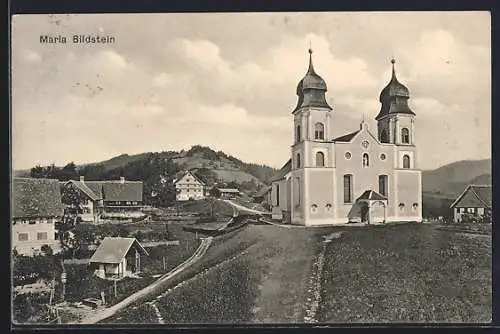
point(320, 159)
point(328, 207)
point(366, 160)
point(384, 137)
point(414, 207)
point(382, 185)
point(22, 237)
point(401, 207)
point(348, 188)
point(347, 155)
point(383, 156)
point(277, 195)
point(41, 236)
point(461, 210)
point(405, 136)
point(297, 134)
point(298, 160)
point(314, 208)
point(470, 210)
point(319, 131)
point(406, 161)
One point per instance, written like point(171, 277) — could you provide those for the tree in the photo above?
point(72, 200)
point(214, 192)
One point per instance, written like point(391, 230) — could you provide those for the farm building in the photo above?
point(36, 207)
point(188, 186)
point(474, 200)
point(117, 257)
point(113, 198)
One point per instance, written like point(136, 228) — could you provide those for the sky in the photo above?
point(228, 81)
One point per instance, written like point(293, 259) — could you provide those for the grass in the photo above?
point(406, 273)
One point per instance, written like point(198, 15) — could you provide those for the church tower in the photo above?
point(311, 149)
point(395, 121)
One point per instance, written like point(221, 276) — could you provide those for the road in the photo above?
point(241, 210)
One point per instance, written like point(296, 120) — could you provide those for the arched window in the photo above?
point(319, 131)
point(298, 160)
point(347, 188)
point(328, 207)
point(382, 185)
point(414, 207)
point(297, 134)
point(384, 137)
point(366, 160)
point(405, 136)
point(320, 159)
point(401, 207)
point(314, 208)
point(406, 161)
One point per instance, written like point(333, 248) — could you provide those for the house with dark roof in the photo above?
point(35, 208)
point(188, 186)
point(110, 198)
point(474, 200)
point(117, 257)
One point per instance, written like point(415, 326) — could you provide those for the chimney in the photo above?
point(82, 178)
point(122, 179)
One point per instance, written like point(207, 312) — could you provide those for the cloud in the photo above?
point(33, 57)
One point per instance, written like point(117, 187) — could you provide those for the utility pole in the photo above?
point(102, 298)
point(52, 291)
point(164, 264)
point(115, 288)
point(63, 281)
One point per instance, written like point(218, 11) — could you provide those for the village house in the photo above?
point(359, 176)
point(117, 257)
point(188, 186)
point(475, 200)
point(108, 198)
point(36, 207)
point(229, 193)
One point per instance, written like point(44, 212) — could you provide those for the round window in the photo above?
point(382, 156)
point(347, 155)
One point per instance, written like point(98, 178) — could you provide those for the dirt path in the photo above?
point(108, 312)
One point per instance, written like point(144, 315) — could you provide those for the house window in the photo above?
point(405, 136)
point(470, 210)
point(384, 138)
point(32, 222)
point(366, 160)
point(328, 207)
point(320, 159)
point(383, 156)
point(22, 237)
point(348, 188)
point(414, 207)
point(41, 236)
point(277, 195)
point(406, 161)
point(297, 134)
point(314, 208)
point(401, 207)
point(347, 155)
point(298, 160)
point(382, 185)
point(319, 131)
point(461, 210)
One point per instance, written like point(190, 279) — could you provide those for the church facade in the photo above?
point(363, 176)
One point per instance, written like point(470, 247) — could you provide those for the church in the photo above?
point(362, 176)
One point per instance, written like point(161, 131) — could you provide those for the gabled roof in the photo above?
point(287, 167)
point(36, 198)
point(473, 195)
point(113, 190)
point(228, 190)
point(114, 249)
point(190, 173)
point(372, 196)
point(348, 137)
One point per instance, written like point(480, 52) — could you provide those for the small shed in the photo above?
point(117, 257)
point(229, 193)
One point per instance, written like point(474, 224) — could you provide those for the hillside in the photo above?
point(451, 179)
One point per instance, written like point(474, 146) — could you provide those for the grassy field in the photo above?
point(261, 274)
point(407, 273)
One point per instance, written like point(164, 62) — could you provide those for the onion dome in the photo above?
point(394, 97)
point(311, 89)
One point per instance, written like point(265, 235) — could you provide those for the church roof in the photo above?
point(287, 167)
point(388, 95)
point(311, 89)
point(347, 138)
